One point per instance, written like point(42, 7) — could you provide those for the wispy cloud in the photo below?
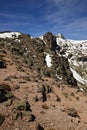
point(15, 16)
point(67, 17)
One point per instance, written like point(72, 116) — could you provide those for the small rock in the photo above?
point(28, 116)
point(39, 127)
point(2, 65)
point(8, 102)
point(16, 87)
point(17, 115)
point(72, 112)
point(36, 99)
point(22, 105)
point(58, 99)
point(2, 118)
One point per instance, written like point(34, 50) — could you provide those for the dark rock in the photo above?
point(36, 99)
point(22, 105)
point(83, 59)
point(43, 92)
point(72, 112)
point(39, 127)
point(58, 99)
point(2, 65)
point(28, 116)
point(17, 115)
point(63, 69)
point(2, 118)
point(50, 40)
point(5, 92)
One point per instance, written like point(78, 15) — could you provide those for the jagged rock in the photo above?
point(5, 92)
point(2, 118)
point(50, 41)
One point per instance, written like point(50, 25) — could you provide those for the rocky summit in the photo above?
point(43, 82)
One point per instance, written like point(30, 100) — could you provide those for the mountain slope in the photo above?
point(37, 87)
point(76, 52)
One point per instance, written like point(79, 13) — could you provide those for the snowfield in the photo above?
point(74, 50)
point(9, 35)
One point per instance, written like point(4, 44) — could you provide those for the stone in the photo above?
point(5, 92)
point(2, 64)
point(72, 112)
point(8, 102)
point(28, 116)
point(22, 105)
point(39, 127)
point(2, 118)
point(17, 115)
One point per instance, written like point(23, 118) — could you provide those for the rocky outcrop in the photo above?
point(50, 41)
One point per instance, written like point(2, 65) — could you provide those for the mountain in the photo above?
point(76, 52)
point(49, 73)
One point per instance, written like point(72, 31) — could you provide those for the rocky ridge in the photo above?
point(37, 73)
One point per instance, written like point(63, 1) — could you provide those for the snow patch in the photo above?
point(48, 60)
point(41, 37)
point(9, 35)
point(78, 77)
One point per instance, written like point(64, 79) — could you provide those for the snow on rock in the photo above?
point(9, 34)
point(78, 77)
point(48, 60)
point(41, 37)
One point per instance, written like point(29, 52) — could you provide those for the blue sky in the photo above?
point(36, 17)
